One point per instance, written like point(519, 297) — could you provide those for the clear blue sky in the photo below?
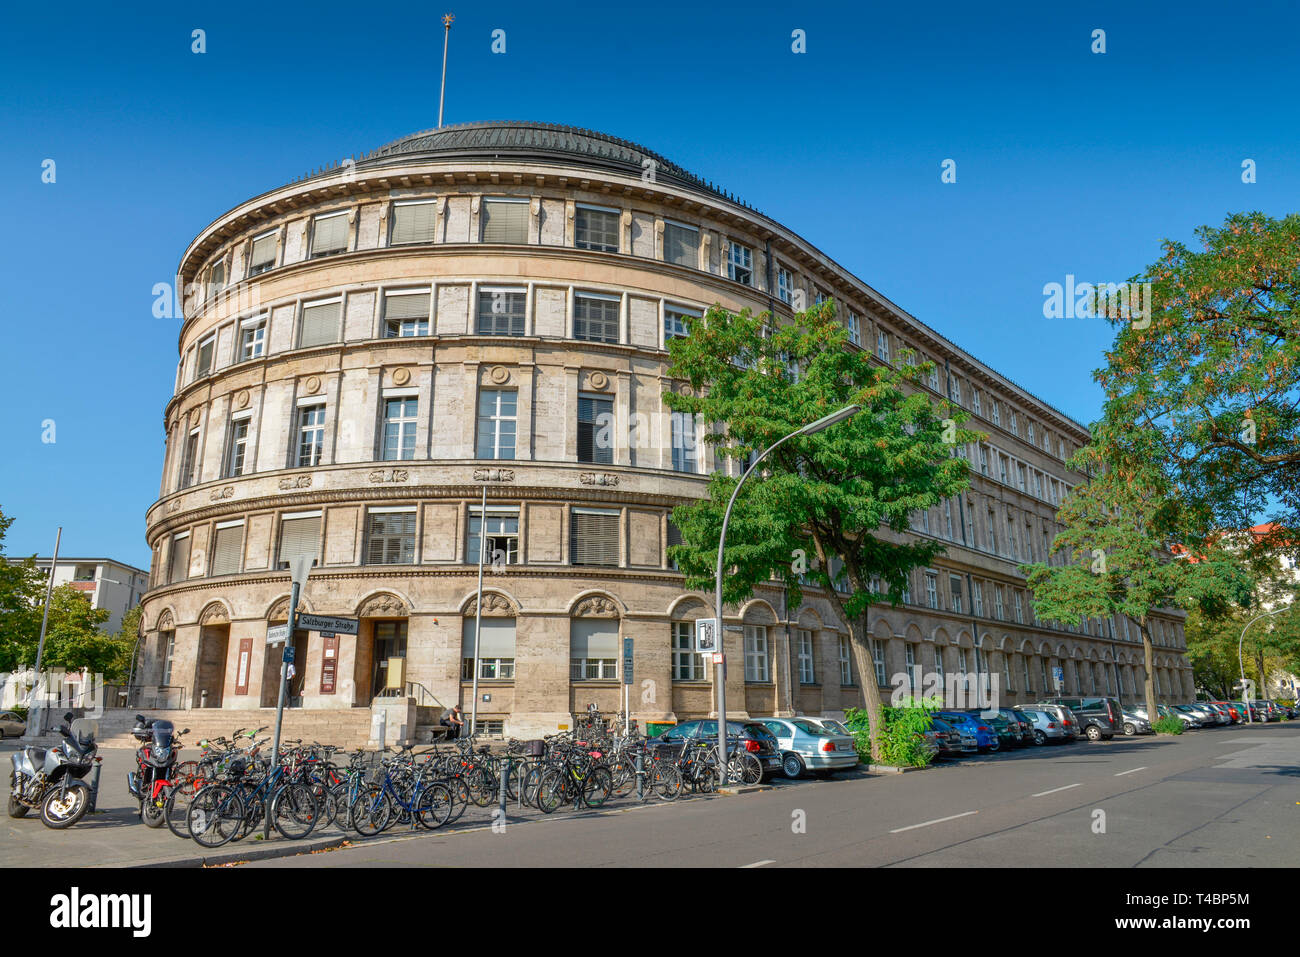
point(1067, 162)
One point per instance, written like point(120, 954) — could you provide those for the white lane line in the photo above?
point(1054, 790)
point(756, 864)
point(1130, 771)
point(953, 817)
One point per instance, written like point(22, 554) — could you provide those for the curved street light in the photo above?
point(1241, 661)
point(719, 672)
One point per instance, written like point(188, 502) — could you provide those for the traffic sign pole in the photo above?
point(301, 568)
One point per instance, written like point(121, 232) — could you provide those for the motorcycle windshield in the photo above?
point(163, 731)
point(83, 733)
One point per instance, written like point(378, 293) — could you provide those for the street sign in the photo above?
point(288, 653)
point(276, 634)
point(343, 626)
point(627, 661)
point(706, 635)
point(1058, 676)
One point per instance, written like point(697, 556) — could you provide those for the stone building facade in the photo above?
point(485, 307)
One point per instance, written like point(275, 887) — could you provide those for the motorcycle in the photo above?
point(51, 779)
point(156, 761)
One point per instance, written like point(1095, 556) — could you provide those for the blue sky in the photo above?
point(1068, 162)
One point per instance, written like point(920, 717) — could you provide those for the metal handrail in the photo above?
point(426, 693)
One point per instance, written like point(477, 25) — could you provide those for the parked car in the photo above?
point(1135, 724)
point(750, 734)
point(986, 739)
point(1235, 714)
point(1045, 727)
point(955, 740)
point(834, 725)
point(1067, 719)
point(11, 726)
point(1220, 710)
point(1020, 726)
point(1210, 715)
point(807, 746)
point(1007, 730)
point(1102, 717)
point(1194, 720)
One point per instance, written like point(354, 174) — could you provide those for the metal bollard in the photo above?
point(640, 779)
point(501, 788)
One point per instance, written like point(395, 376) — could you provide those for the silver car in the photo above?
point(11, 726)
point(1046, 727)
point(1064, 716)
point(1136, 724)
point(807, 744)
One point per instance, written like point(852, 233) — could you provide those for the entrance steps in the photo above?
point(348, 728)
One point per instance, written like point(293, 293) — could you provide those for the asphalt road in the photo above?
point(1224, 797)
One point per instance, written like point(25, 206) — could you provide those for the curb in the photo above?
point(251, 854)
point(744, 789)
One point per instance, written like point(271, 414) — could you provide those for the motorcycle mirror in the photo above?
point(186, 731)
point(68, 717)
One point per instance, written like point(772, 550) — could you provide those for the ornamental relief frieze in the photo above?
point(295, 481)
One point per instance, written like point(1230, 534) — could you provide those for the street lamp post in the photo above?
point(300, 568)
point(1241, 661)
point(719, 667)
point(34, 709)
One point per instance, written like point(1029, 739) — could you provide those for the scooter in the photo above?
point(51, 779)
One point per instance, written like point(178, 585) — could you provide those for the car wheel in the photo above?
point(1094, 733)
point(1040, 738)
point(1129, 729)
point(2, 734)
point(792, 765)
point(995, 746)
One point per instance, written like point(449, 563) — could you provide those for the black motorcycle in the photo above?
point(156, 759)
point(52, 779)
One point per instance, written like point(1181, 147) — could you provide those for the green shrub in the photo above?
point(1168, 725)
point(900, 743)
point(20, 710)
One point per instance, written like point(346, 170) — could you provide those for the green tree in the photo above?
point(844, 494)
point(1118, 554)
point(1213, 373)
point(22, 589)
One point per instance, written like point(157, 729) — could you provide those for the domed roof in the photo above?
point(539, 142)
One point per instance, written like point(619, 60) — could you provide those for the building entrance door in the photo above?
point(389, 642)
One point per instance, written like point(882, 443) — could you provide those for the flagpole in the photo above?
point(446, 35)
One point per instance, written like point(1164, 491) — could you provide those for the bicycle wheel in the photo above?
point(371, 810)
point(294, 811)
point(515, 780)
point(215, 816)
point(177, 812)
point(744, 768)
point(482, 786)
point(623, 772)
point(337, 808)
point(532, 782)
point(551, 790)
point(665, 781)
point(254, 809)
point(597, 786)
point(434, 806)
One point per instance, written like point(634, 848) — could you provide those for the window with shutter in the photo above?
point(189, 460)
point(505, 221)
point(595, 318)
point(226, 549)
point(674, 538)
point(593, 537)
point(496, 648)
point(329, 234)
point(217, 277)
point(299, 535)
point(406, 314)
point(320, 323)
point(596, 228)
point(413, 222)
point(593, 649)
point(390, 537)
point(595, 429)
point(501, 312)
point(262, 256)
point(180, 563)
point(681, 245)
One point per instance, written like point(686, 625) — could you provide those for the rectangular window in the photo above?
point(938, 664)
point(855, 332)
point(390, 536)
point(329, 234)
point(954, 389)
point(596, 429)
point(1029, 432)
point(190, 460)
point(227, 548)
point(169, 639)
point(676, 322)
point(740, 264)
point(497, 413)
point(596, 318)
point(681, 245)
point(931, 590)
point(596, 228)
point(207, 348)
point(217, 277)
point(1020, 611)
point(593, 537)
point(999, 610)
point(947, 518)
point(1015, 428)
point(683, 437)
point(501, 312)
point(180, 562)
point(977, 597)
point(406, 314)
point(877, 657)
point(593, 649)
point(984, 460)
point(496, 648)
point(299, 535)
point(1024, 662)
point(674, 538)
point(756, 653)
point(882, 345)
point(975, 401)
point(238, 447)
point(1002, 469)
point(262, 256)
point(807, 674)
point(784, 284)
point(934, 377)
point(909, 656)
point(399, 428)
point(252, 338)
point(505, 220)
point(954, 586)
point(414, 222)
point(501, 544)
point(687, 665)
point(311, 436)
point(320, 323)
point(997, 413)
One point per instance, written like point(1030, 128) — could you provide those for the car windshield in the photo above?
point(832, 725)
point(809, 728)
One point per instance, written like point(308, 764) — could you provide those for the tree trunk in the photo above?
point(1262, 690)
point(867, 681)
point(1149, 666)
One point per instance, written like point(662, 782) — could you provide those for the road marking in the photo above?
point(953, 817)
point(756, 864)
point(1130, 771)
point(1054, 790)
